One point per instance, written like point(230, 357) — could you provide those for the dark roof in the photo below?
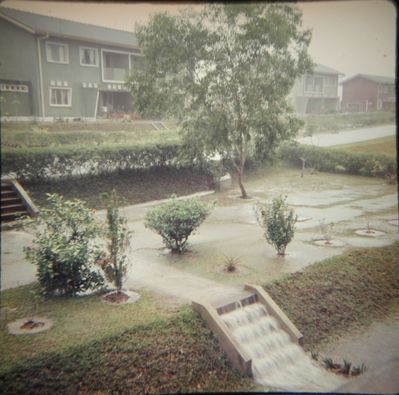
point(321, 69)
point(375, 78)
point(42, 24)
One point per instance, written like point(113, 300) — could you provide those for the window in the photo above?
point(88, 56)
point(60, 97)
point(57, 53)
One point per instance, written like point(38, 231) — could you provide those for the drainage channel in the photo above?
point(262, 342)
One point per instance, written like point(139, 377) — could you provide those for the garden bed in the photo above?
point(132, 186)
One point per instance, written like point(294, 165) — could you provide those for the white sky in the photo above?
point(350, 36)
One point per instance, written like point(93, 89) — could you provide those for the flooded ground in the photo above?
point(231, 231)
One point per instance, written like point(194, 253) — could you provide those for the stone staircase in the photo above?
point(15, 203)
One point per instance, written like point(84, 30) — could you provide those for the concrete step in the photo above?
point(6, 217)
point(10, 208)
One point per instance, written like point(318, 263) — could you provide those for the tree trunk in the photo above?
point(241, 185)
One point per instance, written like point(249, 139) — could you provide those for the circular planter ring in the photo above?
point(369, 233)
point(331, 243)
point(303, 219)
point(132, 297)
point(15, 327)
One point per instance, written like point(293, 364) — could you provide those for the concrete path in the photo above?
point(348, 136)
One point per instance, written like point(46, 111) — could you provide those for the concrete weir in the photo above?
point(238, 357)
point(261, 342)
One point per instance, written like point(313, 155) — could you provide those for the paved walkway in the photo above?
point(348, 136)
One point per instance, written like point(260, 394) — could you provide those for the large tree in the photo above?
point(225, 73)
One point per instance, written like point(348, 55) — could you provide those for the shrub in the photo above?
point(338, 161)
point(175, 220)
point(278, 223)
point(46, 163)
point(118, 241)
point(64, 247)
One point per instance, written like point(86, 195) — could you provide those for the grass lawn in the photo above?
point(327, 123)
point(329, 297)
point(95, 347)
point(77, 134)
point(76, 321)
point(385, 145)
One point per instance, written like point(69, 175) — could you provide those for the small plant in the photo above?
point(114, 265)
point(314, 355)
point(356, 370)
point(326, 230)
point(230, 264)
point(175, 220)
point(278, 223)
point(64, 248)
point(330, 364)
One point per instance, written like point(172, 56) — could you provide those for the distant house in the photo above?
point(364, 93)
point(53, 68)
point(317, 92)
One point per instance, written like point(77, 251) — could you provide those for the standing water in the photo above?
point(277, 361)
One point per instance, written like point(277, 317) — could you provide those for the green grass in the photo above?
point(385, 145)
point(76, 321)
point(326, 123)
point(165, 356)
point(331, 296)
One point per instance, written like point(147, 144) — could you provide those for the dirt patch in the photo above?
point(31, 325)
point(132, 186)
point(120, 297)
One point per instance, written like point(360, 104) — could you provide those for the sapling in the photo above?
point(118, 241)
point(278, 222)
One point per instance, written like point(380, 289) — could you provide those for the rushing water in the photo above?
point(277, 361)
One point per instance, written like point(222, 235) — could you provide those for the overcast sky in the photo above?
point(349, 36)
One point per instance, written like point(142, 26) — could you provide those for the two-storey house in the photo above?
point(53, 68)
point(316, 92)
point(364, 93)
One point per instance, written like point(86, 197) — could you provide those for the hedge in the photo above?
point(338, 161)
point(39, 164)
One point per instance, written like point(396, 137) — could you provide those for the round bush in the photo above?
point(175, 220)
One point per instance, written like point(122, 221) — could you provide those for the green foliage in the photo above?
point(278, 223)
point(224, 73)
point(118, 241)
point(64, 248)
point(41, 164)
point(338, 161)
point(175, 220)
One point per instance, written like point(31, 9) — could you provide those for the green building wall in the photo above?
point(19, 62)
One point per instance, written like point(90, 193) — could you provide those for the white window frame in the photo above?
point(119, 52)
point(66, 46)
point(96, 64)
point(51, 88)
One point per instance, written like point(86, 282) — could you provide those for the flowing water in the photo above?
point(277, 361)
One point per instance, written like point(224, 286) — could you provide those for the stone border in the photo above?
point(14, 328)
point(369, 233)
point(332, 243)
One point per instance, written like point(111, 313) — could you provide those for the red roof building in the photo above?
point(365, 93)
